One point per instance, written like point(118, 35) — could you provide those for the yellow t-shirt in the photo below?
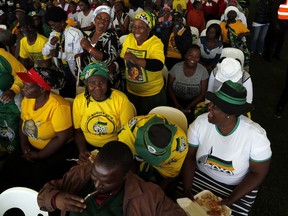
point(34, 52)
point(170, 167)
point(41, 125)
point(140, 81)
point(12, 65)
point(179, 5)
point(101, 120)
point(238, 27)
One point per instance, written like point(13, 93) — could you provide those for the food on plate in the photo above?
point(209, 201)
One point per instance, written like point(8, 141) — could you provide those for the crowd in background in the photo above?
point(116, 61)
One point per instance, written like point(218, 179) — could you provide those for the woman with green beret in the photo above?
point(99, 112)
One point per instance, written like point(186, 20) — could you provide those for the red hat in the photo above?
point(33, 77)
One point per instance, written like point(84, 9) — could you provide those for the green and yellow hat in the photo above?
point(98, 68)
point(154, 140)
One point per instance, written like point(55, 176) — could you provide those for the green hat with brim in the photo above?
point(231, 98)
point(154, 140)
point(92, 69)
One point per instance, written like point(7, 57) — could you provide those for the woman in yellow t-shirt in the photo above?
point(45, 135)
point(143, 54)
point(99, 112)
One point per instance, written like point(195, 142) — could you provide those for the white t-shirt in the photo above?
point(226, 158)
point(85, 21)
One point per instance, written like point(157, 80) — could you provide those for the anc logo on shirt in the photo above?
point(100, 123)
point(210, 162)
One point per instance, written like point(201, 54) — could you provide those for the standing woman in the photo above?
point(45, 132)
point(99, 112)
point(229, 154)
point(85, 16)
point(143, 53)
point(187, 82)
point(121, 20)
point(103, 43)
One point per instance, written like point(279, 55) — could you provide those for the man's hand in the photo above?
point(7, 96)
point(84, 158)
point(68, 202)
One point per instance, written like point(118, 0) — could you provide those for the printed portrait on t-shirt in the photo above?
point(135, 73)
point(30, 129)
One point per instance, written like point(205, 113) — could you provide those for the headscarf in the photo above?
point(146, 17)
point(231, 8)
point(100, 9)
point(98, 68)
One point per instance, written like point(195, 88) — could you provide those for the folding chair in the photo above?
point(172, 115)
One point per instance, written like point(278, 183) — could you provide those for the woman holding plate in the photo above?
point(229, 154)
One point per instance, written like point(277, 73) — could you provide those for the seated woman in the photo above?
point(45, 135)
point(229, 154)
point(230, 69)
point(143, 54)
point(233, 32)
point(211, 47)
point(99, 112)
point(103, 43)
point(187, 83)
point(179, 41)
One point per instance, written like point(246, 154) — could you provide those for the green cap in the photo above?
point(98, 68)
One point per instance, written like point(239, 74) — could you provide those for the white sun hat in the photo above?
point(229, 69)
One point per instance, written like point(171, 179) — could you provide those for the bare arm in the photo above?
point(81, 145)
point(97, 54)
point(188, 170)
point(255, 176)
point(56, 143)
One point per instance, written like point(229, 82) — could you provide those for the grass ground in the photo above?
point(268, 81)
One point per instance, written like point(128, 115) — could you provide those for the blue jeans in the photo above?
point(258, 38)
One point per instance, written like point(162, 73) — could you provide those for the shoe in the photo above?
point(278, 112)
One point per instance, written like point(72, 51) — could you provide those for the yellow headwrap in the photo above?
point(146, 17)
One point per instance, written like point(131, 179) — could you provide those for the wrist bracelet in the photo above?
point(89, 51)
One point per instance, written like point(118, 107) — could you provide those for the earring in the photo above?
point(228, 117)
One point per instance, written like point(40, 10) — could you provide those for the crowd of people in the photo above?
point(52, 131)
